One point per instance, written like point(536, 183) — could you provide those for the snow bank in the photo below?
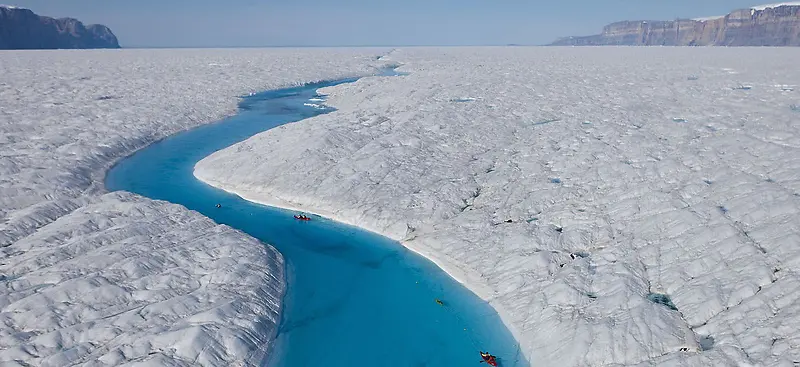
point(116, 278)
point(566, 194)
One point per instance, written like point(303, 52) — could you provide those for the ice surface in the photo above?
point(570, 265)
point(94, 278)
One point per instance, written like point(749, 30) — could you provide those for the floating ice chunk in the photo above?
point(315, 105)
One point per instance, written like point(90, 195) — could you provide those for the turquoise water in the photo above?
point(353, 297)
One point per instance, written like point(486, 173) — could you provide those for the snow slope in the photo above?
point(570, 187)
point(106, 279)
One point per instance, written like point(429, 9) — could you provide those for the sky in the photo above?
point(252, 23)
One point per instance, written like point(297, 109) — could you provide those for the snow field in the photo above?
point(571, 187)
point(88, 278)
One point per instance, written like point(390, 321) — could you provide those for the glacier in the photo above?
point(617, 206)
point(95, 278)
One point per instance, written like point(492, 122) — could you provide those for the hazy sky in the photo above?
point(232, 23)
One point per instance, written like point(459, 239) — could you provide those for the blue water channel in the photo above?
point(354, 298)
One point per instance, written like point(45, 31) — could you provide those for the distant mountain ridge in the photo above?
point(21, 28)
point(765, 25)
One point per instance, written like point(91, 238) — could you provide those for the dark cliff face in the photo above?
point(23, 29)
point(779, 26)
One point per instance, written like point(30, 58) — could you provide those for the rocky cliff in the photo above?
point(770, 25)
point(22, 29)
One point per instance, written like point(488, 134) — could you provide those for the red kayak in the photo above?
point(301, 217)
point(489, 359)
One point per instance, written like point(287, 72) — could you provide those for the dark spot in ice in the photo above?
point(770, 180)
point(708, 182)
point(743, 87)
point(662, 299)
point(532, 220)
point(580, 254)
point(692, 77)
point(559, 229)
point(706, 342)
point(591, 295)
point(723, 209)
point(683, 349)
point(509, 221)
point(555, 180)
point(106, 98)
point(462, 100)
point(795, 108)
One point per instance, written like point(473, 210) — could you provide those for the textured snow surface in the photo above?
point(570, 187)
point(105, 279)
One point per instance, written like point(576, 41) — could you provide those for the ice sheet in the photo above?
point(584, 192)
point(109, 279)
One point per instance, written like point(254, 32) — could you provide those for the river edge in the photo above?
point(471, 283)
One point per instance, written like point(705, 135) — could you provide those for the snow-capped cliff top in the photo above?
point(777, 5)
point(705, 19)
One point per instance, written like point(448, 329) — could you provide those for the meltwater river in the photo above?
point(354, 298)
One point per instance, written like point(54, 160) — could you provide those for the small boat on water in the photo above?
point(302, 217)
point(489, 359)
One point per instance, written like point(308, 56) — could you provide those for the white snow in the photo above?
point(706, 19)
point(89, 278)
point(767, 6)
point(706, 211)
